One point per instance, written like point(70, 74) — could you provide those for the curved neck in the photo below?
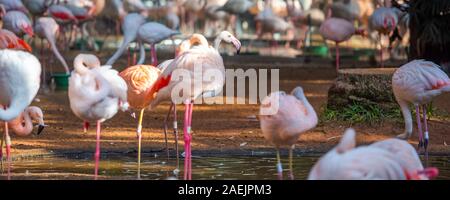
point(79, 66)
point(407, 117)
point(51, 40)
point(217, 42)
point(311, 113)
point(22, 129)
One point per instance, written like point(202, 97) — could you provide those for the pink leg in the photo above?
point(97, 150)
point(85, 127)
point(191, 109)
point(8, 150)
point(426, 128)
point(186, 140)
point(337, 57)
point(154, 56)
point(419, 126)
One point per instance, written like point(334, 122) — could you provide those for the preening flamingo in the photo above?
point(96, 93)
point(418, 82)
point(338, 30)
point(283, 119)
point(47, 28)
point(130, 26)
point(376, 162)
point(152, 33)
point(8, 40)
point(19, 84)
point(384, 20)
point(210, 62)
point(140, 80)
point(17, 22)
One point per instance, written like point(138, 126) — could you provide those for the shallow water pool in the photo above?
point(123, 167)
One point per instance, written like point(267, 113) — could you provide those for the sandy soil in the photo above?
point(217, 128)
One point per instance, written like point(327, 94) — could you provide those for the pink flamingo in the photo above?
point(338, 30)
point(283, 119)
point(152, 33)
point(17, 22)
point(384, 20)
point(96, 93)
point(140, 80)
point(379, 161)
point(20, 81)
point(37, 7)
point(130, 26)
point(211, 61)
point(418, 83)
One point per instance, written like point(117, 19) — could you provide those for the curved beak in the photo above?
point(29, 31)
point(40, 129)
point(237, 44)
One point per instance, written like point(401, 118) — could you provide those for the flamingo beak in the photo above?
point(40, 129)
point(430, 173)
point(28, 30)
point(237, 44)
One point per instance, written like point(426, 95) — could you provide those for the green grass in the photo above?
point(359, 113)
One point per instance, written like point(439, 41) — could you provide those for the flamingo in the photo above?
point(130, 25)
point(37, 7)
point(346, 9)
point(140, 80)
point(284, 118)
point(47, 28)
point(376, 162)
point(384, 20)
point(338, 30)
point(14, 5)
point(17, 22)
point(418, 82)
point(19, 84)
point(152, 33)
point(8, 40)
point(96, 93)
point(184, 64)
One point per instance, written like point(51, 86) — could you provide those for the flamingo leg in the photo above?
point(8, 150)
point(381, 51)
point(338, 60)
point(175, 132)
point(191, 109)
point(165, 130)
point(1, 151)
point(154, 55)
point(419, 126)
point(186, 140)
point(134, 54)
point(139, 135)
point(128, 56)
point(291, 166)
point(279, 165)
point(97, 150)
point(85, 127)
point(426, 136)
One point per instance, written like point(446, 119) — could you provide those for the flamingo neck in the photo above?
point(217, 43)
point(22, 125)
point(79, 66)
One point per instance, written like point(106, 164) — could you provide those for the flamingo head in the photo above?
point(229, 38)
point(26, 28)
point(36, 114)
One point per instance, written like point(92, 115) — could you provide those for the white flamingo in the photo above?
point(96, 93)
point(283, 119)
point(418, 83)
point(19, 84)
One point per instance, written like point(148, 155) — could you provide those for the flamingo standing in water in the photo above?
point(96, 93)
point(283, 119)
point(19, 84)
point(338, 30)
point(130, 26)
point(140, 80)
point(384, 20)
point(418, 83)
point(152, 33)
point(169, 81)
point(379, 161)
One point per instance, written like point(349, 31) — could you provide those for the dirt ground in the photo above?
point(218, 128)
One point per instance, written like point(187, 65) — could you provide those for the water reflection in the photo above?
point(159, 168)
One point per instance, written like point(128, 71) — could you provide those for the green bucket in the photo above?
point(321, 51)
point(61, 80)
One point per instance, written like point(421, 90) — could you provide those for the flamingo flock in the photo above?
point(98, 92)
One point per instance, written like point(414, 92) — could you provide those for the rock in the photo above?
point(371, 86)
